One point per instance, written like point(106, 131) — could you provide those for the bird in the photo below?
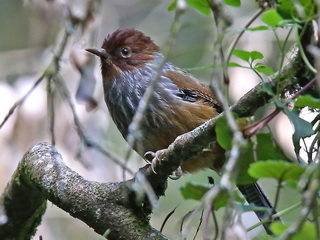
point(179, 102)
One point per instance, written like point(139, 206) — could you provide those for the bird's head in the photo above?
point(124, 50)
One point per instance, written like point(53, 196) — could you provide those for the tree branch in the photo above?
point(193, 142)
point(42, 175)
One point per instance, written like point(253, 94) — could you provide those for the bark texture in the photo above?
point(42, 175)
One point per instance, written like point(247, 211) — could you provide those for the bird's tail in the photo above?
point(254, 194)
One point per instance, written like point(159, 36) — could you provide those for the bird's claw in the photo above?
point(178, 174)
point(155, 158)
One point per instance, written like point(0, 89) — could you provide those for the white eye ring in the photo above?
point(125, 52)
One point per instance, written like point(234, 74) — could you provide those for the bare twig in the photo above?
point(309, 198)
point(231, 167)
point(236, 40)
point(134, 127)
point(206, 225)
point(51, 110)
point(312, 148)
point(184, 230)
point(51, 71)
point(167, 218)
point(21, 101)
point(83, 137)
point(200, 222)
point(253, 128)
point(274, 216)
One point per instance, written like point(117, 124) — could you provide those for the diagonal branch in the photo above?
point(42, 175)
point(192, 143)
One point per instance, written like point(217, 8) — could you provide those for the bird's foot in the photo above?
point(156, 159)
point(177, 174)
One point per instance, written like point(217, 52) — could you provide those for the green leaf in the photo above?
point(308, 231)
point(251, 207)
point(259, 28)
point(224, 134)
point(221, 200)
point(233, 64)
point(257, 65)
point(224, 138)
point(223, 197)
point(309, 7)
point(194, 191)
point(246, 159)
point(278, 228)
point(254, 55)
point(234, 3)
point(271, 17)
point(302, 128)
point(266, 87)
point(265, 70)
point(244, 55)
point(276, 169)
point(172, 6)
point(288, 9)
point(201, 5)
point(307, 101)
point(266, 149)
point(260, 67)
point(291, 183)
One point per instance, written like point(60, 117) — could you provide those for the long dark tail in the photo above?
point(254, 194)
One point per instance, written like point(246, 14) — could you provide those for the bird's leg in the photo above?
point(156, 159)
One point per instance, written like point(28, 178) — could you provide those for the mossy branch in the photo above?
point(42, 175)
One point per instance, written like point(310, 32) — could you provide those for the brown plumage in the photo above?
point(179, 103)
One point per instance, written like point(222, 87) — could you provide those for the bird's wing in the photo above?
point(191, 90)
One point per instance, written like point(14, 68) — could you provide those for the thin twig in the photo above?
point(310, 196)
point(274, 216)
point(312, 147)
point(142, 186)
point(50, 71)
point(236, 40)
point(184, 218)
point(134, 127)
point(21, 101)
point(200, 222)
point(253, 128)
point(206, 225)
point(216, 225)
point(231, 167)
point(83, 137)
point(315, 214)
point(51, 110)
point(277, 196)
point(167, 218)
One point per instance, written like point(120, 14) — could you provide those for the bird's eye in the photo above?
point(125, 52)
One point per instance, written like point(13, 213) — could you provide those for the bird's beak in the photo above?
point(100, 52)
